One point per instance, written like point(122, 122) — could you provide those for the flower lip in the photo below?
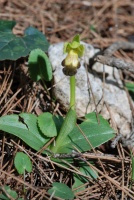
point(71, 60)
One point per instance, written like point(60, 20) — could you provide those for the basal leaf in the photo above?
point(66, 128)
point(58, 120)
point(10, 192)
point(22, 163)
point(47, 125)
point(39, 66)
point(61, 190)
point(13, 47)
point(80, 180)
point(25, 127)
point(96, 133)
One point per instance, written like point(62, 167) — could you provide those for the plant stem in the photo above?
point(69, 121)
point(72, 92)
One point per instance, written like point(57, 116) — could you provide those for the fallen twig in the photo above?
point(108, 59)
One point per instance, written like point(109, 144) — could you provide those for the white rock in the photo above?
point(110, 98)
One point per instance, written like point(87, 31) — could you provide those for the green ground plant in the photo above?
point(37, 131)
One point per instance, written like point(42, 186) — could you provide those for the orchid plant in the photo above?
point(71, 63)
point(38, 132)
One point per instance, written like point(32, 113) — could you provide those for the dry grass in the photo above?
point(60, 20)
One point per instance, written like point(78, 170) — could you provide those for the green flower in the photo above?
point(74, 50)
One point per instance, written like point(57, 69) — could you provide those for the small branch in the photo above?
point(116, 140)
point(72, 92)
point(92, 156)
point(118, 45)
point(115, 62)
point(107, 58)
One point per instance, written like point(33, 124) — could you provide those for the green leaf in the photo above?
point(22, 163)
point(47, 125)
point(78, 185)
point(61, 190)
point(66, 128)
point(96, 133)
point(25, 127)
point(13, 47)
point(130, 86)
point(79, 180)
point(8, 190)
point(58, 120)
point(39, 66)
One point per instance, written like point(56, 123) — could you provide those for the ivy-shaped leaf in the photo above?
point(13, 47)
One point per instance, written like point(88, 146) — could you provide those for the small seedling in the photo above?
point(61, 190)
point(8, 194)
point(22, 164)
point(79, 181)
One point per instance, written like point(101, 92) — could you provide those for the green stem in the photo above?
point(72, 92)
point(69, 121)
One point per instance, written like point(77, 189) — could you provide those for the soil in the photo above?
point(100, 23)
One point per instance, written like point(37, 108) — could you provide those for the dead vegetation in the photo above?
point(60, 20)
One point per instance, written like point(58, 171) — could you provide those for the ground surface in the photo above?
point(99, 23)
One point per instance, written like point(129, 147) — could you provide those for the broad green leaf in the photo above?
point(88, 171)
point(79, 180)
point(12, 193)
point(47, 125)
point(13, 47)
point(130, 86)
point(22, 163)
point(78, 185)
point(39, 66)
point(96, 133)
point(61, 190)
point(25, 127)
point(67, 127)
point(58, 120)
